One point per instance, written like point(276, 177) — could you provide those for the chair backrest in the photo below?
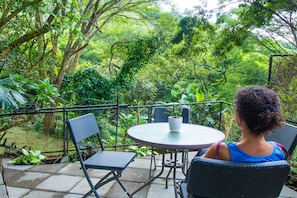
point(161, 116)
point(287, 136)
point(217, 178)
point(82, 127)
point(186, 115)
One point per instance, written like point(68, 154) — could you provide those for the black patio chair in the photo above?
point(81, 129)
point(287, 136)
point(161, 116)
point(224, 179)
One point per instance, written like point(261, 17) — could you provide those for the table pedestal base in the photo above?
point(172, 164)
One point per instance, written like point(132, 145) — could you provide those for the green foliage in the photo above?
point(47, 93)
point(142, 151)
point(70, 157)
point(125, 122)
point(92, 57)
point(87, 83)
point(10, 93)
point(266, 19)
point(207, 114)
point(28, 158)
point(174, 110)
point(141, 90)
point(248, 69)
point(139, 53)
point(284, 82)
point(187, 91)
point(59, 126)
point(108, 128)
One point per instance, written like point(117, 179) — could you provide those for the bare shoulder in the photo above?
point(224, 153)
point(218, 151)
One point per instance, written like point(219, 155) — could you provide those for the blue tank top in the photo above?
point(237, 155)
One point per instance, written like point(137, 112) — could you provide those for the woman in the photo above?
point(258, 111)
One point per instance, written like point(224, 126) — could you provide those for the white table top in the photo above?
point(190, 136)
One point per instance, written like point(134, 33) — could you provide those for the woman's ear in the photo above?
point(238, 120)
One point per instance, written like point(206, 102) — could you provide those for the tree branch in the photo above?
point(4, 20)
point(30, 35)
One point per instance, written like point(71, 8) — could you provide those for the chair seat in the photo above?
point(110, 160)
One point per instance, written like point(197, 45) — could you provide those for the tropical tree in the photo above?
point(50, 43)
point(90, 83)
point(274, 26)
point(273, 22)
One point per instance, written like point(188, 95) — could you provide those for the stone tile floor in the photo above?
point(67, 181)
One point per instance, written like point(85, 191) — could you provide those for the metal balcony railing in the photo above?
point(113, 120)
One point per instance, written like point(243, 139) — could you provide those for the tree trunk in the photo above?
point(49, 123)
point(74, 61)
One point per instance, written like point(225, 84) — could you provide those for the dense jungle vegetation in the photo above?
point(53, 51)
point(56, 53)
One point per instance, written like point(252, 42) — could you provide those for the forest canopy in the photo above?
point(60, 52)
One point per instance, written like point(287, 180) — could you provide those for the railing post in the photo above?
point(220, 115)
point(149, 116)
point(117, 120)
point(65, 131)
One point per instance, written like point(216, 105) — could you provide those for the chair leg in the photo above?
point(90, 192)
point(104, 180)
point(117, 175)
point(93, 190)
point(100, 183)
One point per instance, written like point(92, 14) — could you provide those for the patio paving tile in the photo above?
point(43, 194)
point(60, 183)
point(16, 191)
point(3, 191)
point(71, 169)
point(48, 168)
point(156, 190)
point(83, 187)
point(25, 179)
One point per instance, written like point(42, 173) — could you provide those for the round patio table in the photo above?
point(190, 136)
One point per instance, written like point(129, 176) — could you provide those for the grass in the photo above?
point(20, 138)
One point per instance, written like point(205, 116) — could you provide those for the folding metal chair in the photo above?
point(81, 129)
point(160, 115)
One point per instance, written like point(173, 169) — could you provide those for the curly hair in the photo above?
point(260, 108)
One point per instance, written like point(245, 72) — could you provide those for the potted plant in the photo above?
point(174, 119)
